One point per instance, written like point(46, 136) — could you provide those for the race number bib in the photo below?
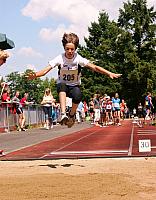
point(69, 76)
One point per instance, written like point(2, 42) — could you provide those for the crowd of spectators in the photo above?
point(105, 110)
point(100, 110)
point(18, 103)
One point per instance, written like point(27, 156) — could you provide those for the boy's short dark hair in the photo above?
point(70, 38)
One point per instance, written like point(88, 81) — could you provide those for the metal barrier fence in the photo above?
point(9, 119)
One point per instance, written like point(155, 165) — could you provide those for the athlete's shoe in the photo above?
point(47, 128)
point(71, 121)
point(23, 129)
point(119, 124)
point(63, 119)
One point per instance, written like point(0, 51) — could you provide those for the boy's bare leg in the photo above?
point(73, 109)
point(62, 99)
point(72, 112)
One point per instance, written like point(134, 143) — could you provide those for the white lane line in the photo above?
point(90, 152)
point(147, 134)
point(146, 130)
point(131, 142)
point(73, 142)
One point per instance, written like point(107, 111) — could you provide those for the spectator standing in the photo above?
point(6, 103)
point(47, 108)
point(140, 110)
point(149, 105)
point(6, 95)
point(85, 108)
point(19, 111)
point(116, 109)
point(122, 108)
point(24, 100)
point(108, 110)
point(91, 111)
point(103, 111)
point(97, 114)
point(79, 112)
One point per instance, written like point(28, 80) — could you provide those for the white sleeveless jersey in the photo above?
point(69, 70)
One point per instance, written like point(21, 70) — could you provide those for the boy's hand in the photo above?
point(113, 75)
point(31, 75)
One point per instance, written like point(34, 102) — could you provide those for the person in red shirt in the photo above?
point(6, 95)
point(122, 108)
point(24, 101)
point(85, 108)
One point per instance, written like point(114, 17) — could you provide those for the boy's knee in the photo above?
point(77, 96)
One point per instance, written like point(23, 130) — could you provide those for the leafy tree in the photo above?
point(139, 20)
point(126, 47)
point(100, 49)
point(35, 87)
point(140, 57)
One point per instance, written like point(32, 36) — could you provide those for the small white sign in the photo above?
point(144, 145)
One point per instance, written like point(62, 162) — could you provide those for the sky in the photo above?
point(37, 27)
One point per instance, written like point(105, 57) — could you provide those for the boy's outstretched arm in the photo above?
point(102, 70)
point(33, 75)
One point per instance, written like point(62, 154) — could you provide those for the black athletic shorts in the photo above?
point(19, 111)
point(73, 92)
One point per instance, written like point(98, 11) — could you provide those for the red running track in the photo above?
point(110, 141)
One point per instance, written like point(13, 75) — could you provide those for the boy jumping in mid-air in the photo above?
point(69, 72)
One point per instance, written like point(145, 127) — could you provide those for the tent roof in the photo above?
point(5, 43)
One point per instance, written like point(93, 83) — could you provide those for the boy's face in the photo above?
point(69, 50)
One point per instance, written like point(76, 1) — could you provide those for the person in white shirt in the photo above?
point(69, 72)
point(47, 104)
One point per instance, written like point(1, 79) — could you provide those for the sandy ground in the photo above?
point(84, 179)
